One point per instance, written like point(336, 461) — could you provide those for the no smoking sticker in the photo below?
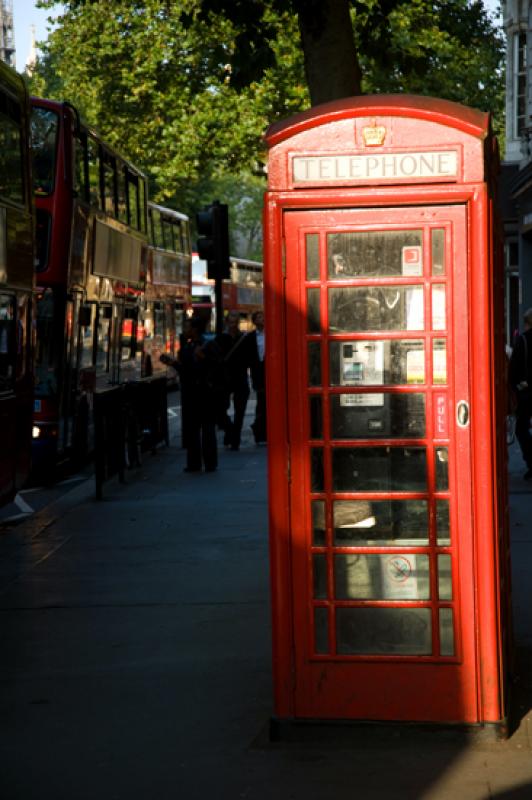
point(399, 568)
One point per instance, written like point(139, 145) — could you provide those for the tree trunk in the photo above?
point(331, 63)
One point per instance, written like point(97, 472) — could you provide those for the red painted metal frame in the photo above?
point(410, 678)
point(488, 453)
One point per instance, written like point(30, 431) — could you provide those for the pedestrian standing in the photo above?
point(198, 367)
point(256, 351)
point(521, 383)
point(234, 354)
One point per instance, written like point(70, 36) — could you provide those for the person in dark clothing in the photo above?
point(521, 383)
point(256, 350)
point(198, 367)
point(234, 354)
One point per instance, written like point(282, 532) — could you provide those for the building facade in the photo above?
point(516, 177)
point(7, 33)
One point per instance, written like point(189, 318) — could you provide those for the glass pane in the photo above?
point(44, 132)
point(313, 310)
point(443, 530)
point(128, 334)
point(445, 580)
point(12, 165)
point(395, 576)
point(439, 361)
point(94, 171)
point(318, 523)
point(103, 338)
point(80, 184)
point(314, 364)
point(369, 253)
point(133, 201)
point(374, 416)
point(377, 362)
point(316, 469)
point(321, 630)
point(316, 417)
point(313, 256)
point(319, 562)
point(8, 344)
point(446, 632)
point(157, 224)
point(86, 333)
point(109, 188)
point(438, 251)
point(380, 522)
point(142, 205)
point(122, 195)
point(384, 631)
point(379, 469)
point(374, 308)
point(168, 235)
point(49, 354)
point(442, 471)
point(438, 307)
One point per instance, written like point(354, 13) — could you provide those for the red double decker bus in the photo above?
point(91, 206)
point(242, 291)
point(16, 285)
point(168, 285)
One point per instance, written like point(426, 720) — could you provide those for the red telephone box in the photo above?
point(387, 454)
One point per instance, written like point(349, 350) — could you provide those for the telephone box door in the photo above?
point(380, 464)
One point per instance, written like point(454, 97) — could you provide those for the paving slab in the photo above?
point(135, 657)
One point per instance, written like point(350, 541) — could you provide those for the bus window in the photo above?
point(122, 194)
point(87, 321)
point(109, 184)
point(47, 341)
point(11, 166)
point(94, 172)
point(7, 342)
point(133, 199)
point(129, 334)
point(183, 238)
point(168, 235)
point(80, 166)
point(179, 319)
point(151, 239)
point(185, 227)
point(142, 205)
point(23, 326)
point(158, 238)
point(148, 326)
point(43, 230)
point(158, 324)
point(44, 134)
point(103, 339)
point(178, 239)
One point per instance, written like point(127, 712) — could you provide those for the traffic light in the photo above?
point(213, 239)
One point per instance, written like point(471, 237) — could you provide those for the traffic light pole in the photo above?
point(219, 304)
point(213, 245)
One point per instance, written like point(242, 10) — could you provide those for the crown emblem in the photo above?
point(374, 135)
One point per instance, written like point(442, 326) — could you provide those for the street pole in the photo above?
point(219, 304)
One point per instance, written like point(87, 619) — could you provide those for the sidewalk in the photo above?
point(135, 656)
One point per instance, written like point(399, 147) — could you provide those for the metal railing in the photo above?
point(128, 420)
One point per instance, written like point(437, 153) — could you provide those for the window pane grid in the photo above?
point(429, 314)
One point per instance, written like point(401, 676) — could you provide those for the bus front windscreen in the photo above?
point(44, 130)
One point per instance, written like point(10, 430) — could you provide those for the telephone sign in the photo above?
point(388, 526)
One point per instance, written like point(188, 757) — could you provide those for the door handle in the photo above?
point(462, 413)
